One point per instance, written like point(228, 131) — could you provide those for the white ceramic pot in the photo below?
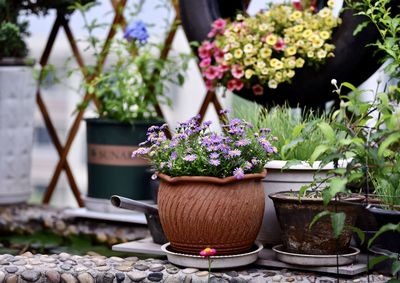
point(17, 104)
point(278, 180)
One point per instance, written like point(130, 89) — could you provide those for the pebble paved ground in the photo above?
point(90, 269)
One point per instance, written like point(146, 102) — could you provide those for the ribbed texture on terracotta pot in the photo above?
point(198, 212)
point(296, 216)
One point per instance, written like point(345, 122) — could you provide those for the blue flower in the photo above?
point(215, 162)
point(190, 157)
point(136, 31)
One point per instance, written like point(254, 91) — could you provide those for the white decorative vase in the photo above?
point(17, 104)
point(278, 180)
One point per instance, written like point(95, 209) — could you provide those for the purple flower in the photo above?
point(214, 155)
point(173, 143)
point(266, 130)
point(238, 173)
point(215, 162)
point(234, 152)
point(207, 123)
point(174, 155)
point(190, 157)
point(141, 151)
point(224, 111)
point(136, 31)
point(248, 165)
point(243, 142)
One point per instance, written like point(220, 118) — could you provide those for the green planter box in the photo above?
point(111, 170)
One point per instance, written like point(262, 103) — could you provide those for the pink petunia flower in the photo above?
point(231, 86)
point(237, 71)
point(239, 84)
point(223, 68)
point(209, 85)
point(212, 33)
point(297, 5)
point(205, 62)
point(211, 72)
point(208, 45)
point(258, 89)
point(280, 45)
point(204, 52)
point(218, 55)
point(219, 24)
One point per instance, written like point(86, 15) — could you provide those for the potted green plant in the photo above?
point(289, 170)
point(17, 99)
point(127, 92)
point(210, 184)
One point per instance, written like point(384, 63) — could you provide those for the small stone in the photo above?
point(4, 262)
point(217, 274)
point(187, 279)
point(70, 262)
point(123, 268)
point(381, 277)
point(53, 276)
point(277, 278)
point(218, 280)
point(155, 276)
point(19, 262)
point(68, 278)
point(156, 267)
point(30, 275)
point(232, 274)
point(35, 261)
point(47, 259)
point(189, 270)
point(270, 273)
point(120, 277)
point(108, 277)
point(288, 274)
point(172, 279)
point(11, 269)
point(255, 275)
point(52, 265)
point(136, 276)
point(64, 255)
point(28, 266)
point(88, 263)
point(290, 279)
point(85, 278)
point(299, 278)
point(99, 262)
point(141, 267)
point(132, 258)
point(252, 270)
point(116, 259)
point(27, 254)
point(358, 280)
point(80, 269)
point(2, 276)
point(311, 279)
point(172, 270)
point(11, 278)
point(202, 273)
point(104, 268)
point(65, 267)
point(237, 280)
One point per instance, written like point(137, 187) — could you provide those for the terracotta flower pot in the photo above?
point(198, 212)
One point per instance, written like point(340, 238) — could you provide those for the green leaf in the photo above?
point(328, 132)
point(384, 229)
point(391, 139)
point(320, 149)
point(303, 190)
point(360, 28)
point(376, 260)
point(338, 223)
point(297, 130)
point(395, 267)
point(336, 185)
point(360, 233)
point(318, 217)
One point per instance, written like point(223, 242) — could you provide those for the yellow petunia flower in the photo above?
point(248, 73)
point(307, 33)
point(299, 62)
point(260, 64)
point(272, 84)
point(265, 52)
point(324, 34)
point(263, 27)
point(290, 73)
point(318, 43)
point(325, 12)
point(298, 28)
point(228, 57)
point(264, 71)
point(238, 53)
point(331, 3)
point(310, 54)
point(271, 39)
point(248, 48)
point(291, 50)
point(321, 54)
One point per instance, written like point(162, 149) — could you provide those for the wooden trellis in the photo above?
point(62, 21)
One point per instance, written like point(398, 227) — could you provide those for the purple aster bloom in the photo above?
point(173, 143)
point(224, 111)
point(248, 165)
point(242, 142)
point(238, 173)
point(190, 157)
point(141, 151)
point(174, 155)
point(207, 123)
point(212, 148)
point(215, 162)
point(214, 155)
point(254, 161)
point(266, 130)
point(164, 126)
point(136, 31)
point(223, 147)
point(234, 152)
point(152, 129)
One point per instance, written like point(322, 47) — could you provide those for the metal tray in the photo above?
point(316, 260)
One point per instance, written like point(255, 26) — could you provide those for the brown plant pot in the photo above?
point(198, 212)
point(295, 217)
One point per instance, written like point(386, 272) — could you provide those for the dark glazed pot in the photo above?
point(295, 217)
point(311, 88)
point(198, 212)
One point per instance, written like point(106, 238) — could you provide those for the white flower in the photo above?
point(134, 108)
